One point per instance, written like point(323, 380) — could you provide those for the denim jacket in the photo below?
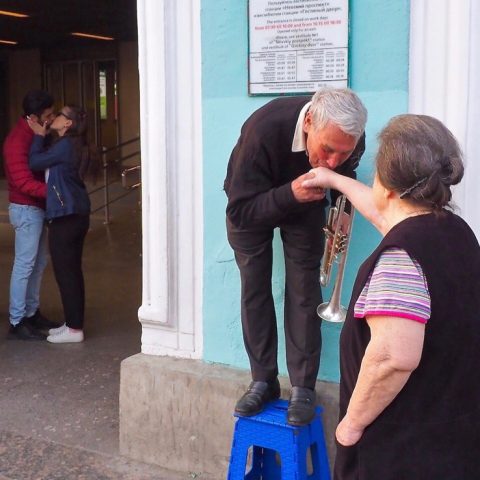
point(66, 192)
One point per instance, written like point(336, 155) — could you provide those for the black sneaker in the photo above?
point(39, 322)
point(24, 331)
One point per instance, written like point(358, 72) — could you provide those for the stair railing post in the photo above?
point(106, 195)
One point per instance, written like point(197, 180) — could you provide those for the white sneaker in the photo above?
point(67, 335)
point(54, 331)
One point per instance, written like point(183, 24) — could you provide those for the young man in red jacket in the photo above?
point(27, 192)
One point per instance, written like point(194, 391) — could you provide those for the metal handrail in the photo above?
point(124, 176)
point(126, 157)
point(95, 190)
point(112, 201)
point(106, 182)
point(120, 145)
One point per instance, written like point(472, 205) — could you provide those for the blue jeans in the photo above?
point(30, 260)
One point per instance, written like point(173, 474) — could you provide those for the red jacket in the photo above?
point(24, 186)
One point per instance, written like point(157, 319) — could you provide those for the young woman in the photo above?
point(409, 348)
point(67, 212)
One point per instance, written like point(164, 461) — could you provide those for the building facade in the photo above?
point(178, 394)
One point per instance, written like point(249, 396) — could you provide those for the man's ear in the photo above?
point(68, 123)
point(307, 122)
point(34, 118)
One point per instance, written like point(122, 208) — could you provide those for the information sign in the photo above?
point(297, 46)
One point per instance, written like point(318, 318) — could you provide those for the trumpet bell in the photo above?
point(331, 313)
point(337, 239)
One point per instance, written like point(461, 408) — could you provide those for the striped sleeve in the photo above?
point(396, 287)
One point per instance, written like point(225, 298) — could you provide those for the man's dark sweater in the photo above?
point(262, 166)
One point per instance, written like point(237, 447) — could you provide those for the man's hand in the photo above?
point(306, 194)
point(346, 434)
point(36, 127)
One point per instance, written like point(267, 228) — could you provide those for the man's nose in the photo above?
point(333, 161)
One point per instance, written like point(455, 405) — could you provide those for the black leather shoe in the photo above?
point(39, 322)
point(254, 399)
point(24, 331)
point(301, 406)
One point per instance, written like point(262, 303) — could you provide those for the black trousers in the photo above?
point(66, 236)
point(303, 239)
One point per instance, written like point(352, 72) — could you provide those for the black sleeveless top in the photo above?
point(431, 430)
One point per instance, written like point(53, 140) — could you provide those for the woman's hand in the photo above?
point(346, 434)
point(37, 128)
point(303, 194)
point(320, 177)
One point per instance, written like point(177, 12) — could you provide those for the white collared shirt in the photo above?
point(299, 143)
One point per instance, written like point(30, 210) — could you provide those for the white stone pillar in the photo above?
point(170, 118)
point(445, 82)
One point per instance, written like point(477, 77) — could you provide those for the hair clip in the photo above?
point(415, 185)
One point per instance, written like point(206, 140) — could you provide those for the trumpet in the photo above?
point(337, 239)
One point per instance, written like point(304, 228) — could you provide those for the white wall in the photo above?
point(445, 82)
point(172, 212)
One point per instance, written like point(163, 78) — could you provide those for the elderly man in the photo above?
point(277, 147)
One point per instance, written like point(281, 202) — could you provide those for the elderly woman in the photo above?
point(410, 346)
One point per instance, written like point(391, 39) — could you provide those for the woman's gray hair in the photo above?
point(340, 106)
point(420, 159)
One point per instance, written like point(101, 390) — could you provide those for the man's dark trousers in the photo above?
point(303, 239)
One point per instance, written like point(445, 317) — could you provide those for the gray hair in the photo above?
point(340, 106)
point(419, 158)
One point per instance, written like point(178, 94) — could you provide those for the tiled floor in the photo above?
point(59, 403)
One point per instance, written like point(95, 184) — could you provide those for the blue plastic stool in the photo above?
point(269, 434)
